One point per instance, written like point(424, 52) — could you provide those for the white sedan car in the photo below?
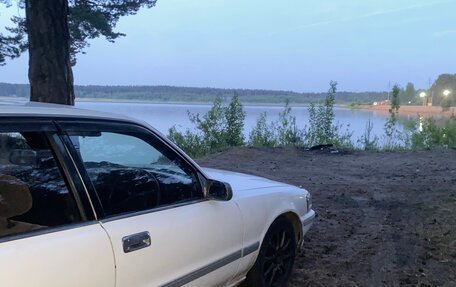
point(93, 199)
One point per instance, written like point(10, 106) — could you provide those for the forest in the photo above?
point(408, 94)
point(197, 95)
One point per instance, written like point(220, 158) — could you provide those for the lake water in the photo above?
point(164, 116)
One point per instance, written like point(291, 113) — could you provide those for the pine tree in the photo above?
point(53, 32)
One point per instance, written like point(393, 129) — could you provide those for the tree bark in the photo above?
point(50, 73)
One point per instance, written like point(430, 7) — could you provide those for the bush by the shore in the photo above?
point(221, 127)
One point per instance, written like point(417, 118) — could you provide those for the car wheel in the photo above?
point(276, 257)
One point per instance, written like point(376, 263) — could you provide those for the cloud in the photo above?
point(371, 14)
point(316, 24)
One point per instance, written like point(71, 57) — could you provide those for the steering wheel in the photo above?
point(127, 194)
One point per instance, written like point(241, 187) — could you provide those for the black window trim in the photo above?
point(13, 124)
point(77, 125)
point(74, 178)
point(115, 217)
point(49, 129)
point(10, 124)
point(87, 185)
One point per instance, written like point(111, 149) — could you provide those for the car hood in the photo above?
point(241, 181)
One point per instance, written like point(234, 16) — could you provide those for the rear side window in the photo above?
point(134, 171)
point(33, 193)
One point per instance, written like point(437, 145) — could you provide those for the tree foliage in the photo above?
point(87, 19)
point(13, 44)
point(198, 95)
point(395, 100)
point(409, 95)
point(444, 82)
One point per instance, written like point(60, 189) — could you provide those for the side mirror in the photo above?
point(219, 190)
point(23, 157)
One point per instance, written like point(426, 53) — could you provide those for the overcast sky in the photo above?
point(297, 45)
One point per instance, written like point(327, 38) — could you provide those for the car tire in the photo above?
point(275, 260)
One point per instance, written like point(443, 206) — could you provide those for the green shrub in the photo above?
point(234, 116)
point(395, 138)
point(322, 129)
point(288, 133)
point(264, 133)
point(189, 142)
point(368, 141)
point(219, 128)
point(284, 132)
point(449, 132)
point(222, 127)
point(212, 125)
point(426, 133)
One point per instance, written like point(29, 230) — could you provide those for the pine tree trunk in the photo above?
point(50, 74)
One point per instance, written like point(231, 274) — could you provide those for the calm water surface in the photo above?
point(164, 116)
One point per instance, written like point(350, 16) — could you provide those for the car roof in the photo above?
point(35, 109)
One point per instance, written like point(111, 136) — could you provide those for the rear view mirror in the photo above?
point(23, 157)
point(219, 190)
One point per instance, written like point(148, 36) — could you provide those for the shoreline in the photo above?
point(406, 110)
point(120, 101)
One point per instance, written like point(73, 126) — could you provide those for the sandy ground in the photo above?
point(385, 219)
point(406, 110)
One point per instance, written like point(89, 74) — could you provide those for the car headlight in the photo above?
point(309, 201)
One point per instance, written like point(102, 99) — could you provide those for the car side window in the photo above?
point(33, 193)
point(134, 171)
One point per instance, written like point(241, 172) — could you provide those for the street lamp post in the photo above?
point(423, 96)
point(446, 103)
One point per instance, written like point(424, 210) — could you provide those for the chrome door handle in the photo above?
point(136, 241)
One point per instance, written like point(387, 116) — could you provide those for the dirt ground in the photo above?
point(384, 219)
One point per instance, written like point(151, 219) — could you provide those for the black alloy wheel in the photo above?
point(276, 257)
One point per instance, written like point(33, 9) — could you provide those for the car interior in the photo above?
point(15, 200)
point(33, 194)
point(124, 179)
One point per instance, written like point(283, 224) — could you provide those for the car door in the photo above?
point(163, 230)
point(47, 238)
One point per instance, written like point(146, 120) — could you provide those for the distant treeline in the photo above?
point(202, 95)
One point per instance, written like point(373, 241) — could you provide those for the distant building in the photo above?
point(382, 103)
